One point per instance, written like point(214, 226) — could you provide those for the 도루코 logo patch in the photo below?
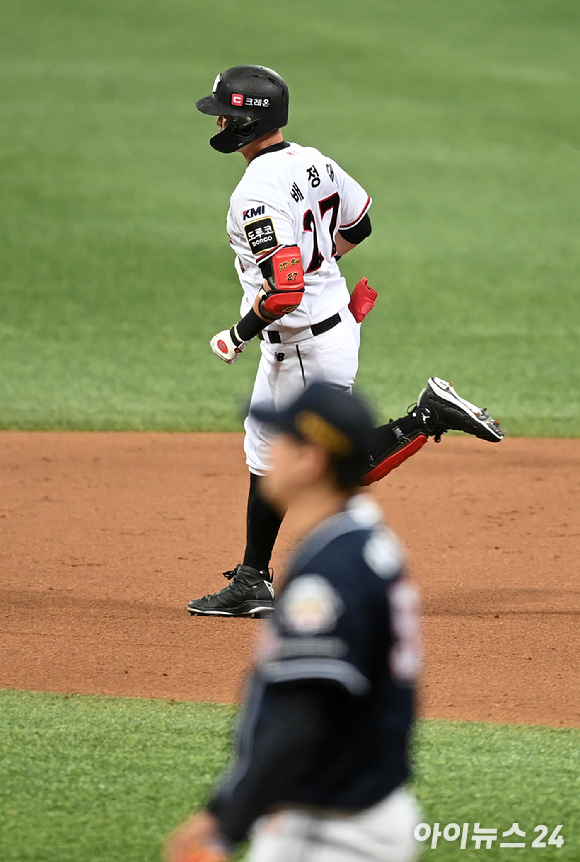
point(261, 236)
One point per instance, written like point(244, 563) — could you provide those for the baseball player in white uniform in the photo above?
point(294, 213)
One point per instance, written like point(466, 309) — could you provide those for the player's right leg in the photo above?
point(250, 594)
point(283, 372)
point(250, 591)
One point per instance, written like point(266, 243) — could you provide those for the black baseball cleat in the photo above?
point(447, 411)
point(250, 594)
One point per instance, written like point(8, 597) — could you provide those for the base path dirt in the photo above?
point(105, 537)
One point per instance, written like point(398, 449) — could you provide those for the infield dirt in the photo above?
point(106, 536)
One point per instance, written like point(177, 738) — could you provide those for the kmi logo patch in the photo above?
point(253, 212)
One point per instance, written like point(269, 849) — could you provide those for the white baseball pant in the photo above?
point(285, 369)
point(383, 833)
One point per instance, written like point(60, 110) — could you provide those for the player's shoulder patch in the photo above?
point(310, 605)
point(383, 554)
point(261, 235)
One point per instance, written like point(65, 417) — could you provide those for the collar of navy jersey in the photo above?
point(361, 513)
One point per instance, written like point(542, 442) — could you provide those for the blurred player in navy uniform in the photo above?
point(322, 744)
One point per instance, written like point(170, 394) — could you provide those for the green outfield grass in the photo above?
point(104, 779)
point(460, 118)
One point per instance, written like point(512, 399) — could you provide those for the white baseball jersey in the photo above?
point(293, 195)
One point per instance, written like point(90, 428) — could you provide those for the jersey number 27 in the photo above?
point(327, 205)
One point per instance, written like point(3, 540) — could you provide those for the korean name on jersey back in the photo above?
point(261, 235)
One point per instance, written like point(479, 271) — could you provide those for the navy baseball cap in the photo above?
point(339, 421)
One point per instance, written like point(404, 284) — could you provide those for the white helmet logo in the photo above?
point(218, 78)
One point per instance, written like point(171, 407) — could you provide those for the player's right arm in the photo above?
point(269, 241)
point(280, 294)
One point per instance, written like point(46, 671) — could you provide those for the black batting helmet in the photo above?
point(255, 97)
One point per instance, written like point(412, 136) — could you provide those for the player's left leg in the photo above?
point(450, 412)
point(393, 444)
point(439, 409)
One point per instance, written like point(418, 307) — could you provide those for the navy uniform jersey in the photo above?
point(346, 618)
